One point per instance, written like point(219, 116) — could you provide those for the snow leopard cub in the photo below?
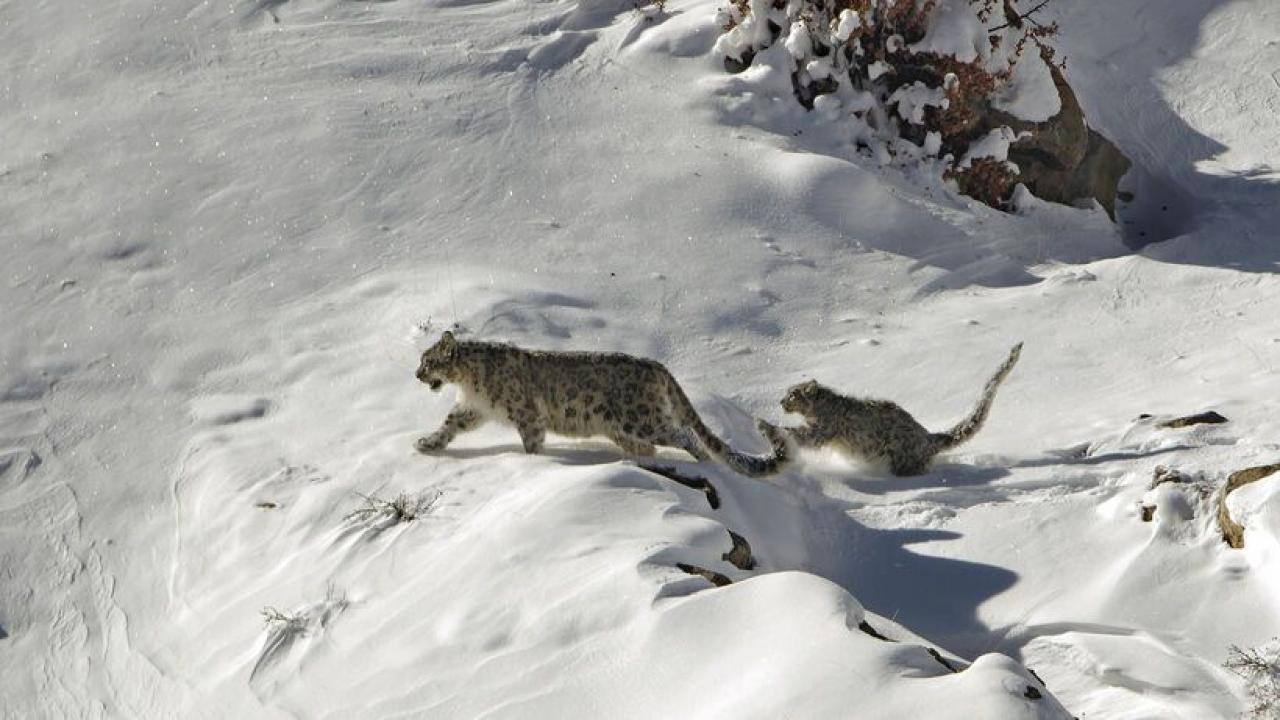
point(880, 430)
point(634, 402)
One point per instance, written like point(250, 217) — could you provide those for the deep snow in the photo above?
point(227, 229)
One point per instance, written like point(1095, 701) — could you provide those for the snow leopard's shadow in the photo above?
point(1067, 458)
point(541, 314)
point(590, 452)
point(940, 476)
point(936, 596)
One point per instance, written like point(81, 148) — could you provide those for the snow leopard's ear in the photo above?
point(448, 345)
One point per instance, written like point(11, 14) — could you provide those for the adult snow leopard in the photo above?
point(634, 402)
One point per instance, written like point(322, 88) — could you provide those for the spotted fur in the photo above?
point(880, 430)
point(634, 402)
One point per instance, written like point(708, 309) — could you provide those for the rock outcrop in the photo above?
point(1062, 159)
point(1233, 532)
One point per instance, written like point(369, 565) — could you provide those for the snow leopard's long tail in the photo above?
point(698, 440)
point(970, 426)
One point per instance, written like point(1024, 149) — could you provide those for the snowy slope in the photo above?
point(225, 225)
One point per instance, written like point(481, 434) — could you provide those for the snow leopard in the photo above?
point(880, 430)
point(634, 402)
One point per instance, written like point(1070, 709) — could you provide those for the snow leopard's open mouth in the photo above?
point(435, 384)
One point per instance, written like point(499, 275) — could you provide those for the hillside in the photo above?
point(229, 229)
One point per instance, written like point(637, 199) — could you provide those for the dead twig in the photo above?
point(402, 508)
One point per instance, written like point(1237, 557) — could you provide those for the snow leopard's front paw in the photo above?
point(430, 444)
point(778, 437)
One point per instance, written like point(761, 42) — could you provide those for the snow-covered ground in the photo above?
point(227, 229)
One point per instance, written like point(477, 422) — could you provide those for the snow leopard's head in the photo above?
point(800, 398)
point(438, 362)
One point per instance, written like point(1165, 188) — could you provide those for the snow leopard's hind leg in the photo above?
point(683, 439)
point(533, 436)
point(633, 445)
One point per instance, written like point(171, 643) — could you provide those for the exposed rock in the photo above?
point(695, 482)
point(943, 661)
point(1210, 418)
point(1162, 475)
point(711, 576)
point(734, 65)
point(1194, 488)
point(1098, 175)
point(1233, 532)
point(865, 627)
point(740, 556)
point(1062, 160)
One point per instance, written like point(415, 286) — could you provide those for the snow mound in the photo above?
point(522, 571)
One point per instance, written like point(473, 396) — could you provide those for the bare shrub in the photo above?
point(987, 179)
point(1260, 668)
point(404, 507)
point(288, 622)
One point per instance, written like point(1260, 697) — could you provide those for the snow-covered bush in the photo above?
point(1260, 668)
point(913, 79)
